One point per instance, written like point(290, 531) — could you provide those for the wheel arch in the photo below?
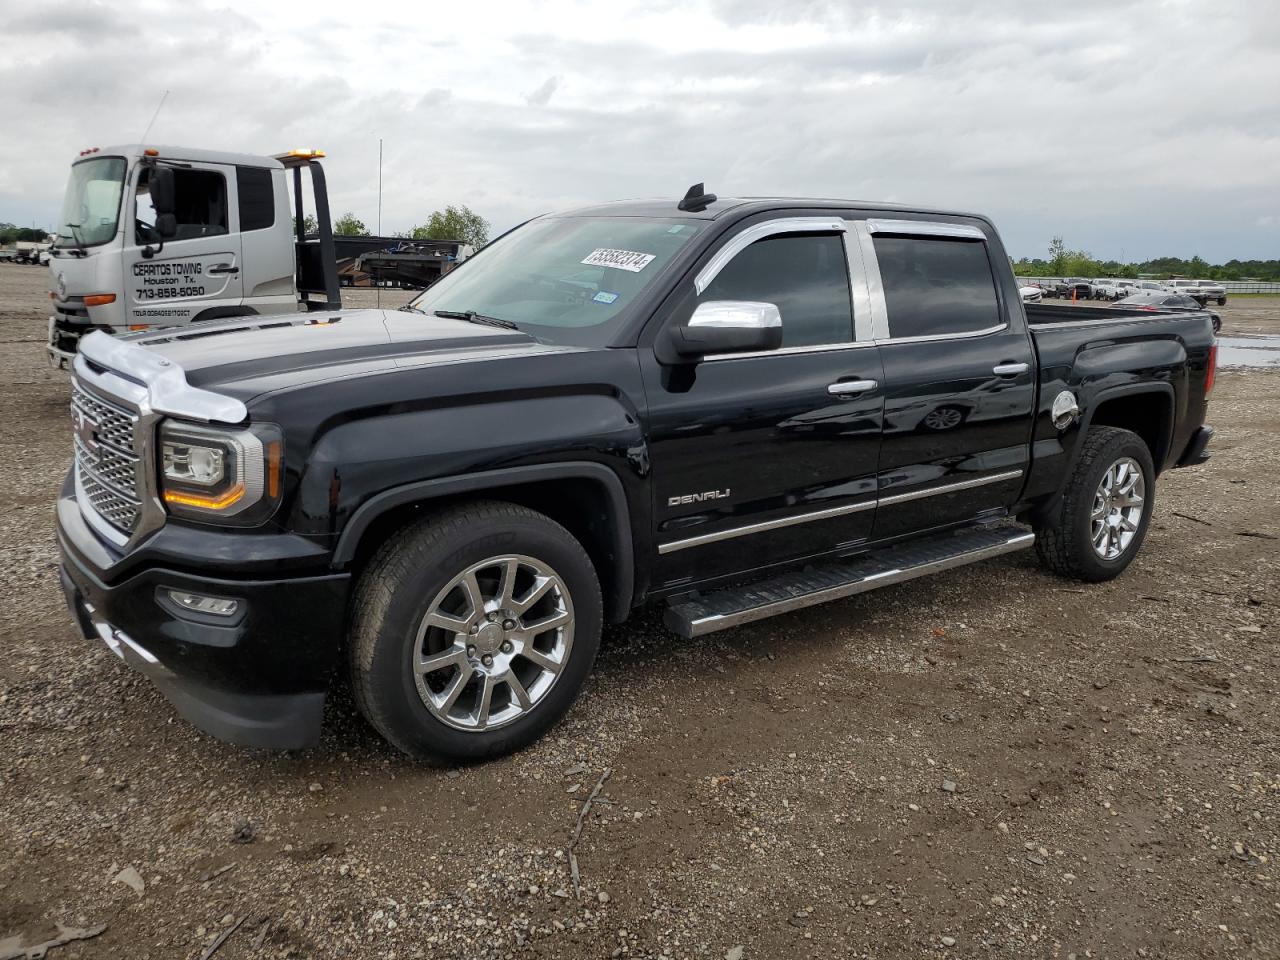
point(1145, 409)
point(1104, 410)
point(585, 497)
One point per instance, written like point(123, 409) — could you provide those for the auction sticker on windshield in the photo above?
point(627, 260)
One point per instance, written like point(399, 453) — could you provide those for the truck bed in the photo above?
point(1046, 313)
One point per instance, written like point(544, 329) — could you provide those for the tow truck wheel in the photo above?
point(473, 631)
point(1099, 526)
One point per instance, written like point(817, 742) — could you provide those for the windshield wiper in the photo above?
point(75, 235)
point(410, 308)
point(472, 317)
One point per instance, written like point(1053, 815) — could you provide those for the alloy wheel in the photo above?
point(1117, 508)
point(493, 642)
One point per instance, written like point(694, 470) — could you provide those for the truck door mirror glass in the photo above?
point(726, 326)
point(163, 199)
point(167, 226)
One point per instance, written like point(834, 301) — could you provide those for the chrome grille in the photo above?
point(106, 461)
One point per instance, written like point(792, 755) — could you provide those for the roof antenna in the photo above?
point(697, 199)
point(143, 138)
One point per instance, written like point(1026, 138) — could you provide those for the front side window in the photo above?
point(806, 276)
point(200, 205)
point(935, 287)
point(91, 206)
point(563, 279)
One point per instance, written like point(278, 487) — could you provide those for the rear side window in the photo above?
point(257, 199)
point(805, 275)
point(934, 287)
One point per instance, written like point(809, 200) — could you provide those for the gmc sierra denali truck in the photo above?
point(736, 407)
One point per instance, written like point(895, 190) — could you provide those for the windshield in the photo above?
point(91, 208)
point(563, 279)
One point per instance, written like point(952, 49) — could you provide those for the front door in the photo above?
point(769, 457)
point(198, 269)
point(959, 378)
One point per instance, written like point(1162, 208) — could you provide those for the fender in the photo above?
point(620, 522)
point(1097, 400)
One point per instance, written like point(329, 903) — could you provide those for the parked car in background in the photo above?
point(1151, 286)
point(1030, 292)
point(1153, 300)
point(1074, 287)
point(1212, 290)
point(1188, 288)
point(1104, 289)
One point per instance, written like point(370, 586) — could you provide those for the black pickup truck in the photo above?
point(735, 407)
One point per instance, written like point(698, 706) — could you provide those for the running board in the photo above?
point(733, 606)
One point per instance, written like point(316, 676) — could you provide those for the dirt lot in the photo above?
point(776, 791)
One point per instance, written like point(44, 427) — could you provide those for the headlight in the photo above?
point(229, 476)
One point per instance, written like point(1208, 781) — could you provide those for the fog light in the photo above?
point(217, 606)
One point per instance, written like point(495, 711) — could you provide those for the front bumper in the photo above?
point(257, 678)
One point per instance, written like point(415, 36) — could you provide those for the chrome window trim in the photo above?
point(763, 526)
point(962, 335)
point(783, 351)
point(879, 307)
point(926, 228)
point(767, 525)
point(949, 488)
point(759, 231)
point(863, 315)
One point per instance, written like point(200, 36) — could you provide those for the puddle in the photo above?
point(1262, 351)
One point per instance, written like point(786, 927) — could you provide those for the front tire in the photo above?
point(473, 631)
point(1099, 526)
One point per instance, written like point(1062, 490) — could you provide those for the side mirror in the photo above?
point(724, 326)
point(163, 199)
point(167, 226)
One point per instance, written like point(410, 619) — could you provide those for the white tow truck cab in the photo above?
point(168, 236)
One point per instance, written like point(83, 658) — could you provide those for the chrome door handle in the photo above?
point(842, 387)
point(1009, 369)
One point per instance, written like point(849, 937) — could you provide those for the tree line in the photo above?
point(1064, 262)
point(459, 223)
point(11, 233)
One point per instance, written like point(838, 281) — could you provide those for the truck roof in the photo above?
point(666, 207)
point(134, 150)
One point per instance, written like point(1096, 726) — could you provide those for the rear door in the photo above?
point(198, 269)
point(765, 458)
point(959, 375)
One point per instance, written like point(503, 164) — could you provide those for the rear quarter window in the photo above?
point(937, 287)
point(257, 199)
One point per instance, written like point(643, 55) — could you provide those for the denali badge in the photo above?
point(697, 497)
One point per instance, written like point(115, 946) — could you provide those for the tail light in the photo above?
point(1212, 372)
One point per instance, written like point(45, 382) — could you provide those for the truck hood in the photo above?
point(248, 356)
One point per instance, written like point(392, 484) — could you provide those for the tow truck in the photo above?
point(155, 236)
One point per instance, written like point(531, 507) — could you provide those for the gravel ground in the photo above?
point(992, 762)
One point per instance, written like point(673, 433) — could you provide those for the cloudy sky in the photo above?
point(1135, 128)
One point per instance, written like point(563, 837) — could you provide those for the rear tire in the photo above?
point(435, 617)
point(1098, 528)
